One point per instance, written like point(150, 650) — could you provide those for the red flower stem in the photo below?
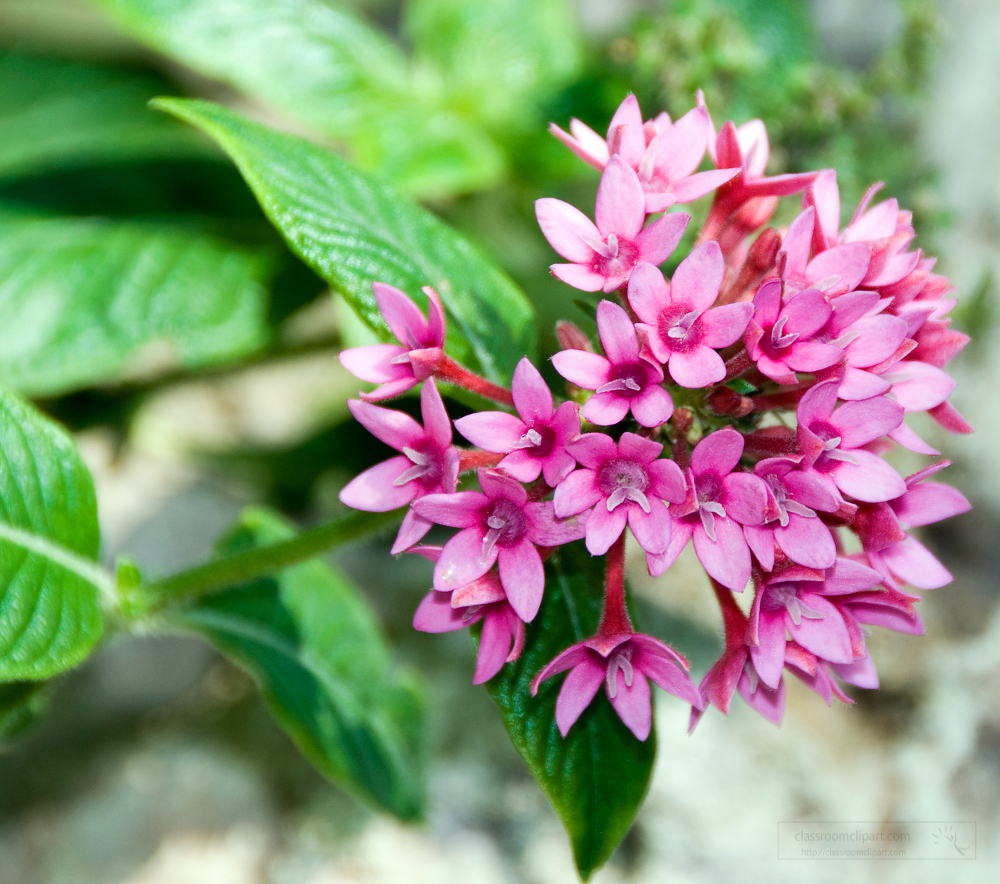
point(680, 427)
point(738, 365)
point(472, 459)
point(449, 370)
point(734, 621)
point(615, 619)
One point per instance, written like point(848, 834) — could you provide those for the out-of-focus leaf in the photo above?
point(354, 230)
point(316, 651)
point(500, 55)
point(21, 702)
point(597, 776)
point(80, 299)
point(332, 71)
point(55, 114)
point(50, 618)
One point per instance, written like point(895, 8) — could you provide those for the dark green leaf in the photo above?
point(315, 649)
point(56, 113)
point(597, 777)
point(354, 230)
point(21, 702)
point(81, 299)
point(50, 618)
point(331, 70)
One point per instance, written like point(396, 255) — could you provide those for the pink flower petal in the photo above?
point(532, 397)
point(877, 223)
point(698, 277)
point(817, 404)
point(680, 533)
point(578, 276)
point(915, 564)
point(495, 485)
point(824, 196)
point(653, 406)
point(745, 498)
point(392, 427)
point(461, 560)
point(727, 558)
point(657, 242)
point(617, 334)
point(587, 370)
point(858, 384)
point(460, 510)
point(718, 452)
point(870, 480)
point(693, 187)
point(437, 424)
point(576, 493)
point(605, 409)
point(700, 367)
point(592, 449)
point(546, 529)
point(604, 527)
point(807, 541)
point(579, 688)
point(411, 531)
point(373, 490)
point(402, 316)
point(494, 645)
point(566, 228)
point(375, 363)
point(767, 303)
point(798, 242)
point(725, 325)
point(812, 356)
point(760, 539)
point(636, 447)
point(626, 130)
point(633, 703)
point(862, 422)
point(878, 338)
point(620, 202)
point(435, 614)
point(768, 654)
point(930, 502)
point(648, 292)
point(860, 672)
point(807, 313)
point(683, 145)
point(491, 430)
point(584, 142)
point(769, 703)
point(523, 577)
point(825, 637)
point(848, 264)
point(666, 480)
point(484, 591)
point(925, 386)
point(652, 529)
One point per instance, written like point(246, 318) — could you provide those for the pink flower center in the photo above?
point(627, 380)
point(621, 658)
point(786, 595)
point(831, 454)
point(708, 489)
point(538, 441)
point(428, 466)
point(680, 328)
point(503, 523)
point(614, 256)
point(621, 479)
point(785, 504)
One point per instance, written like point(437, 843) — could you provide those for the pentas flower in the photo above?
point(664, 155)
point(626, 380)
point(398, 369)
point(830, 442)
point(797, 601)
point(501, 526)
point(427, 465)
point(883, 529)
point(794, 496)
point(717, 502)
point(502, 636)
point(835, 270)
point(679, 324)
point(622, 663)
point(627, 482)
point(535, 439)
point(603, 255)
point(780, 337)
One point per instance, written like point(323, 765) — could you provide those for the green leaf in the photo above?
point(597, 777)
point(354, 230)
point(330, 70)
point(499, 57)
point(21, 702)
point(50, 618)
point(316, 651)
point(81, 299)
point(55, 113)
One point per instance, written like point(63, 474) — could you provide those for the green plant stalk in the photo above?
point(252, 564)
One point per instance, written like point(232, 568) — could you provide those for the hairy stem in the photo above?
point(615, 619)
point(454, 373)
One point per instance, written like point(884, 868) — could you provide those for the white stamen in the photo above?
point(422, 463)
point(531, 439)
point(620, 384)
point(779, 340)
point(620, 495)
point(599, 246)
point(401, 359)
point(646, 165)
point(619, 659)
point(751, 675)
point(613, 245)
point(708, 511)
point(684, 324)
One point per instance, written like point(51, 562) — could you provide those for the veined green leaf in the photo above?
point(316, 651)
point(50, 616)
point(354, 230)
point(597, 776)
point(56, 113)
point(80, 299)
point(332, 71)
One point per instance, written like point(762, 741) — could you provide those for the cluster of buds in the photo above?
point(744, 405)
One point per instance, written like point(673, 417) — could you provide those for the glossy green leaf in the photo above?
point(499, 57)
point(331, 70)
point(81, 300)
point(50, 617)
point(597, 776)
point(315, 649)
point(55, 114)
point(354, 230)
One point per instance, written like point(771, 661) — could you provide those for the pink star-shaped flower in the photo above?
point(627, 380)
point(427, 465)
point(622, 663)
point(535, 439)
point(603, 255)
point(679, 324)
point(398, 369)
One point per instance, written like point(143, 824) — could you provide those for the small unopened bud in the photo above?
point(571, 338)
point(753, 214)
point(725, 401)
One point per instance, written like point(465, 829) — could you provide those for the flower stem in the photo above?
point(454, 373)
point(738, 365)
point(615, 619)
point(733, 619)
point(472, 459)
point(253, 564)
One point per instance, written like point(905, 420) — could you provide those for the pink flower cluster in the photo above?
point(744, 405)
